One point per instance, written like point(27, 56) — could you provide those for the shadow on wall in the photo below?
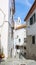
point(29, 56)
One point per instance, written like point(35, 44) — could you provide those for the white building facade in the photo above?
point(19, 37)
point(4, 28)
point(6, 17)
point(31, 32)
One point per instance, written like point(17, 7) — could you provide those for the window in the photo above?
point(24, 47)
point(19, 21)
point(11, 32)
point(17, 47)
point(25, 40)
point(10, 11)
point(25, 54)
point(33, 39)
point(19, 40)
point(0, 50)
point(17, 36)
point(31, 20)
point(34, 17)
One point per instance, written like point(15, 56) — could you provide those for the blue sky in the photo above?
point(22, 7)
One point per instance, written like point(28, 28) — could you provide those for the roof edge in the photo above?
point(20, 27)
point(28, 14)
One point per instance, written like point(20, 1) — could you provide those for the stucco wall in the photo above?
point(4, 6)
point(21, 33)
point(31, 48)
point(4, 38)
point(31, 29)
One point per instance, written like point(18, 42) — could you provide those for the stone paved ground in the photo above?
point(18, 62)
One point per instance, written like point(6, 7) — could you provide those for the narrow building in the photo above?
point(7, 10)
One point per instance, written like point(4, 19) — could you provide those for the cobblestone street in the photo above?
point(18, 62)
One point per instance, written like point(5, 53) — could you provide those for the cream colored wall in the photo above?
point(31, 29)
point(21, 33)
point(4, 38)
point(31, 48)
